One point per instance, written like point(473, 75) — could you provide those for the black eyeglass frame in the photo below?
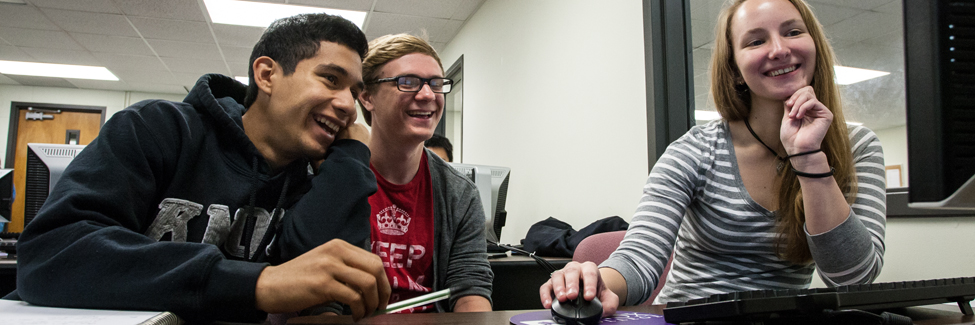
point(423, 81)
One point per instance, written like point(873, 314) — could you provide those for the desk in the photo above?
point(8, 275)
point(928, 315)
point(517, 279)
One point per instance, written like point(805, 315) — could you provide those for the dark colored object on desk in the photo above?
point(7, 195)
point(577, 311)
point(8, 242)
point(553, 237)
point(790, 306)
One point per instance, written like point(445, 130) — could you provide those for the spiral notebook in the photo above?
point(19, 312)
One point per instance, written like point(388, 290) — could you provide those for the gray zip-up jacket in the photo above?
point(460, 259)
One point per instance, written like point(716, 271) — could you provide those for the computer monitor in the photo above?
point(492, 185)
point(6, 195)
point(939, 51)
point(45, 163)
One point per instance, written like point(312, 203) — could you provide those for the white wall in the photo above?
point(894, 141)
point(113, 101)
point(555, 90)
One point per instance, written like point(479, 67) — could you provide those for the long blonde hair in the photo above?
point(733, 99)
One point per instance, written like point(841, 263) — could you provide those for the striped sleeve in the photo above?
point(853, 252)
point(649, 241)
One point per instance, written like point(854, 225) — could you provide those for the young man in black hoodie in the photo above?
point(181, 206)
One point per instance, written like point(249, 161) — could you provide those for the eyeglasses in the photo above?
point(414, 84)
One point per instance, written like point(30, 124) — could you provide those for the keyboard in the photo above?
point(764, 305)
point(8, 242)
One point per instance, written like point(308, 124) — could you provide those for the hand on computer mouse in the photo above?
point(577, 311)
point(567, 282)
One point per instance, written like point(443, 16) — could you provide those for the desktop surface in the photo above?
point(517, 279)
point(927, 315)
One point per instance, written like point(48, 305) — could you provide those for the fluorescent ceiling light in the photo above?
point(850, 75)
point(56, 70)
point(854, 123)
point(706, 115)
point(243, 80)
point(260, 14)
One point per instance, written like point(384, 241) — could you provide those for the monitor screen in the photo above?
point(939, 51)
point(492, 185)
point(45, 163)
point(7, 195)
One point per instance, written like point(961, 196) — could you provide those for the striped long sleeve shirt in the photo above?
point(696, 206)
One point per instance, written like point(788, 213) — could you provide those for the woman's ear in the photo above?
point(264, 67)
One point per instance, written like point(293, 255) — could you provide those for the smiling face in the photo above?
point(307, 108)
point(405, 116)
point(772, 48)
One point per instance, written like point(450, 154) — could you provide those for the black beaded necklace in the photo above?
point(781, 164)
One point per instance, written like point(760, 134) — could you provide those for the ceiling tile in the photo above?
point(176, 30)
point(702, 32)
point(177, 49)
point(384, 23)
point(114, 61)
point(41, 81)
point(97, 84)
point(893, 7)
point(443, 9)
point(91, 22)
point(830, 14)
point(61, 56)
point(861, 4)
point(143, 76)
point(155, 88)
point(39, 38)
point(238, 68)
point(12, 53)
point(187, 79)
point(13, 15)
point(196, 66)
point(169, 9)
point(113, 44)
point(360, 5)
point(104, 6)
point(450, 29)
point(864, 26)
point(236, 53)
point(237, 35)
point(465, 9)
point(7, 81)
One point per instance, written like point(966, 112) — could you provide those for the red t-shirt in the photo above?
point(402, 234)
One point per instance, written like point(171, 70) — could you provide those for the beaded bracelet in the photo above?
point(812, 175)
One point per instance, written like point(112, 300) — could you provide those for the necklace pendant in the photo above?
point(779, 166)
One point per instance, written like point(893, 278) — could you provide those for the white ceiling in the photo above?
point(165, 45)
point(864, 34)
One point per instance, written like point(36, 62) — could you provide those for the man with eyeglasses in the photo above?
point(427, 220)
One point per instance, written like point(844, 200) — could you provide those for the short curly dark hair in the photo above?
point(289, 40)
point(439, 141)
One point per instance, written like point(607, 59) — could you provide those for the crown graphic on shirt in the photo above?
point(393, 221)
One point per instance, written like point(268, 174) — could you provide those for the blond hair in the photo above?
point(388, 48)
point(732, 100)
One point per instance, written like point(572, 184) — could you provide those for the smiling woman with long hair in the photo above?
point(778, 187)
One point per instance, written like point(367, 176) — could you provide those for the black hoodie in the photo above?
point(156, 212)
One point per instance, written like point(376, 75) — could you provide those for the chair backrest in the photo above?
point(598, 247)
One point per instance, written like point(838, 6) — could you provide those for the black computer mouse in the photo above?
point(577, 311)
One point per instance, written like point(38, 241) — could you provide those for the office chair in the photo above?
point(598, 247)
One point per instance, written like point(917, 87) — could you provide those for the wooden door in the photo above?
point(84, 122)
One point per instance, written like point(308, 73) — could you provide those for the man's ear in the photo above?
point(365, 100)
point(264, 68)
